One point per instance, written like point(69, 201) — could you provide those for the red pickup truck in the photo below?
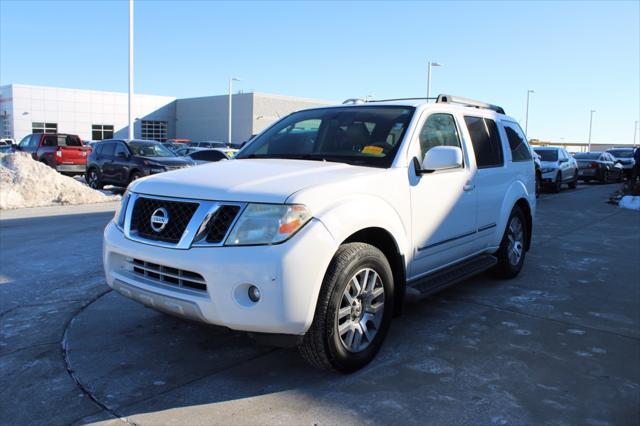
point(63, 152)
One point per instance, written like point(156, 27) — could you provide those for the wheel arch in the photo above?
point(523, 205)
point(386, 243)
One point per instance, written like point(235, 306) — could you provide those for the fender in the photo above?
point(516, 191)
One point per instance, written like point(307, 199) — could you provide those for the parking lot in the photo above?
point(560, 344)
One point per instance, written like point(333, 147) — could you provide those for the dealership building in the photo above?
point(97, 115)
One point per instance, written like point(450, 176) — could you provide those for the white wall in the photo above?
point(75, 110)
point(269, 108)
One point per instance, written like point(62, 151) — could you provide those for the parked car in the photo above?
point(624, 156)
point(600, 166)
point(229, 150)
point(201, 156)
point(538, 166)
point(7, 141)
point(313, 235)
point(63, 152)
point(119, 161)
point(174, 147)
point(557, 167)
point(5, 147)
point(186, 150)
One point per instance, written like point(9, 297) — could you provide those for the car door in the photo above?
point(443, 203)
point(106, 162)
point(121, 164)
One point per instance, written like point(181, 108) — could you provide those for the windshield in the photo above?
point(150, 149)
point(587, 156)
point(363, 135)
point(547, 154)
point(621, 153)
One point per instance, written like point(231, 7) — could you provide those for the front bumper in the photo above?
point(289, 276)
point(549, 177)
point(71, 168)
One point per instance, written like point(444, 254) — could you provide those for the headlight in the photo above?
point(547, 169)
point(121, 211)
point(268, 224)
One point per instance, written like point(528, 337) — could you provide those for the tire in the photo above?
point(574, 183)
point(605, 177)
point(135, 175)
point(93, 179)
point(557, 185)
point(323, 346)
point(514, 238)
point(538, 184)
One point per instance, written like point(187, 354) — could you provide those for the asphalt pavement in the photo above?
point(560, 344)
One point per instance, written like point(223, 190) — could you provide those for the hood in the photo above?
point(250, 180)
point(169, 161)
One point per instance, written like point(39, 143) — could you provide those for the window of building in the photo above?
point(37, 127)
point(101, 131)
point(486, 141)
point(517, 142)
point(154, 130)
point(438, 130)
point(6, 125)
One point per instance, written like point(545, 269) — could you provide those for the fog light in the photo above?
point(254, 293)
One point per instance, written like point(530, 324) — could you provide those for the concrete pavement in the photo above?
point(558, 345)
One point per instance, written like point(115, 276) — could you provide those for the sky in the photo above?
point(576, 56)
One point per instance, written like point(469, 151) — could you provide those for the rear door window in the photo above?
point(50, 140)
point(486, 141)
point(108, 149)
point(517, 142)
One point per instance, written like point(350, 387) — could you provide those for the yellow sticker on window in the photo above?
point(373, 150)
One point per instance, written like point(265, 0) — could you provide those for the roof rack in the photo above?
point(448, 99)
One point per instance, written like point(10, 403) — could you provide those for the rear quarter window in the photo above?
point(518, 145)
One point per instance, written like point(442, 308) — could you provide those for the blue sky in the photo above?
point(577, 56)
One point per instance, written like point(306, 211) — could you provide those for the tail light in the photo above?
point(59, 153)
point(594, 165)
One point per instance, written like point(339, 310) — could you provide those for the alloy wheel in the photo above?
point(516, 240)
point(361, 309)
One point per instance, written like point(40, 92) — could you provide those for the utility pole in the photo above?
point(635, 128)
point(526, 119)
point(130, 69)
point(590, 125)
point(231, 80)
point(429, 65)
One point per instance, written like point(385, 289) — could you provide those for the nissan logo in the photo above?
point(159, 219)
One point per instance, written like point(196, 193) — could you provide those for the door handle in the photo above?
point(468, 187)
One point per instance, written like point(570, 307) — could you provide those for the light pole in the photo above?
point(130, 132)
point(526, 118)
point(590, 125)
point(431, 64)
point(231, 80)
point(635, 128)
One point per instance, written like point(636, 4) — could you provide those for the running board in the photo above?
point(437, 281)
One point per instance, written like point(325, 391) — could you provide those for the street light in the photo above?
point(635, 128)
point(231, 80)
point(526, 119)
point(590, 125)
point(431, 64)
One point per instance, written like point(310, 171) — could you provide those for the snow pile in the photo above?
point(25, 182)
point(630, 202)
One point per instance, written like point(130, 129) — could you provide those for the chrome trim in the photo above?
point(197, 224)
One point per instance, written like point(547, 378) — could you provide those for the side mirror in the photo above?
point(440, 158)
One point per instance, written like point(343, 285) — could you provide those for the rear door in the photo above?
point(121, 163)
point(106, 158)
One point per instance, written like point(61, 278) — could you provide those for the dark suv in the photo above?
point(118, 161)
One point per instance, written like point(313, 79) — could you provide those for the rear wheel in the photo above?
point(93, 179)
point(557, 184)
point(353, 312)
point(512, 247)
point(574, 183)
point(135, 176)
point(605, 177)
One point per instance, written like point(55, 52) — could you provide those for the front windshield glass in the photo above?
point(150, 149)
point(587, 156)
point(363, 135)
point(547, 154)
point(621, 153)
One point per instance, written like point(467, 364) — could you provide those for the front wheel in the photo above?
point(93, 179)
point(513, 246)
point(557, 185)
point(353, 312)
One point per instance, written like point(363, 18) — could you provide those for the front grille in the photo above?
point(167, 275)
point(219, 223)
point(179, 214)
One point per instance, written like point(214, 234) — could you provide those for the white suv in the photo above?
point(324, 223)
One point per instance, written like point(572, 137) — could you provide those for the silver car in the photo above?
point(558, 167)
